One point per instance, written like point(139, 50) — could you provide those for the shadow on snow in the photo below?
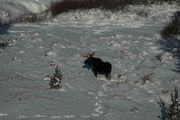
point(3, 30)
point(171, 38)
point(173, 46)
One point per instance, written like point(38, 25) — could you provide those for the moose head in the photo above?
point(97, 66)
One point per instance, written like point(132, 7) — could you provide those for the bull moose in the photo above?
point(98, 66)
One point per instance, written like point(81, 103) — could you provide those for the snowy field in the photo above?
point(142, 71)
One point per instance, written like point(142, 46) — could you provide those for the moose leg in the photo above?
point(108, 76)
point(95, 73)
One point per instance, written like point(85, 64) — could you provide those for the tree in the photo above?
point(55, 80)
point(172, 111)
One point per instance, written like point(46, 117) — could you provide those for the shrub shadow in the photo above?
point(4, 28)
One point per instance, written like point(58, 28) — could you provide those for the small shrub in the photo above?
point(32, 17)
point(146, 78)
point(142, 12)
point(55, 80)
point(172, 111)
point(3, 44)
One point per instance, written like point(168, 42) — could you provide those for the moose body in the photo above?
point(98, 66)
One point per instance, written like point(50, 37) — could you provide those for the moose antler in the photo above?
point(89, 54)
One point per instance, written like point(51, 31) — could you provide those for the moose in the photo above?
point(98, 66)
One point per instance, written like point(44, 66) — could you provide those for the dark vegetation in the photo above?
point(55, 79)
point(31, 17)
point(59, 7)
point(147, 78)
point(3, 44)
point(171, 111)
point(113, 5)
point(171, 38)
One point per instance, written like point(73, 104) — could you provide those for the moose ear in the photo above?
point(92, 54)
point(89, 54)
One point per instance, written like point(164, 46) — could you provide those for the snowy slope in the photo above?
point(127, 40)
point(10, 9)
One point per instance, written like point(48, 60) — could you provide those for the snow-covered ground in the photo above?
point(142, 71)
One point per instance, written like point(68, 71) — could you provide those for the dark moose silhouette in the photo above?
point(98, 66)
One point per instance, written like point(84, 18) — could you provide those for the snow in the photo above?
point(32, 6)
point(11, 9)
point(128, 41)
